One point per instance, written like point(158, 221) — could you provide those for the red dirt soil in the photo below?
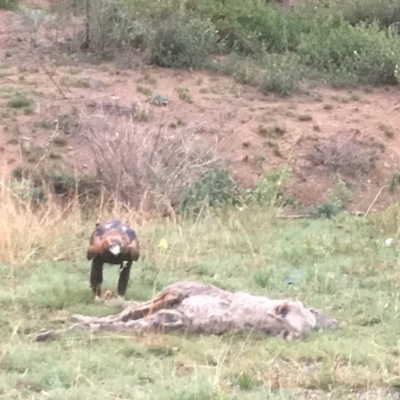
point(236, 119)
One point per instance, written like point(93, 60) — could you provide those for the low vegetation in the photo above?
point(341, 265)
point(344, 42)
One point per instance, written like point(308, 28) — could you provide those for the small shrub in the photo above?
point(113, 27)
point(182, 42)
point(55, 156)
point(282, 74)
point(153, 166)
point(68, 124)
point(360, 54)
point(61, 181)
point(215, 188)
point(344, 155)
point(339, 195)
point(304, 118)
point(394, 181)
point(271, 132)
point(183, 94)
point(60, 141)
point(387, 130)
point(267, 188)
point(261, 278)
point(158, 100)
point(384, 12)
point(325, 210)
point(82, 82)
point(44, 123)
point(10, 5)
point(144, 90)
point(244, 381)
point(19, 100)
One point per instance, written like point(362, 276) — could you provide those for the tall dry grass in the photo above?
point(53, 229)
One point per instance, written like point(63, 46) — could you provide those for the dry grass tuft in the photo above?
point(29, 230)
point(345, 155)
point(144, 166)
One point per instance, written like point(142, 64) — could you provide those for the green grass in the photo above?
point(339, 265)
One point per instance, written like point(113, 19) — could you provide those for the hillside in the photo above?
point(355, 129)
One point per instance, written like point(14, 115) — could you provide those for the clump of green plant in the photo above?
point(183, 94)
point(304, 118)
point(19, 100)
point(25, 190)
point(44, 123)
point(385, 12)
point(262, 278)
point(144, 90)
point(215, 188)
point(158, 100)
point(81, 82)
point(360, 54)
point(267, 190)
point(387, 130)
point(325, 210)
point(68, 123)
point(55, 156)
point(394, 181)
point(182, 41)
point(60, 141)
point(244, 381)
point(272, 132)
point(10, 5)
point(338, 198)
point(282, 73)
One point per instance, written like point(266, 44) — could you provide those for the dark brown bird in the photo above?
point(112, 242)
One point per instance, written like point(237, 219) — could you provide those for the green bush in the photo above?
point(182, 42)
point(346, 41)
point(9, 4)
point(267, 189)
point(114, 25)
point(215, 188)
point(283, 73)
point(384, 12)
point(364, 54)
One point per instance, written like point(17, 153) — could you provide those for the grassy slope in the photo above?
point(338, 265)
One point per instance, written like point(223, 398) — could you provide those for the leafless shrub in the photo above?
point(345, 155)
point(142, 166)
